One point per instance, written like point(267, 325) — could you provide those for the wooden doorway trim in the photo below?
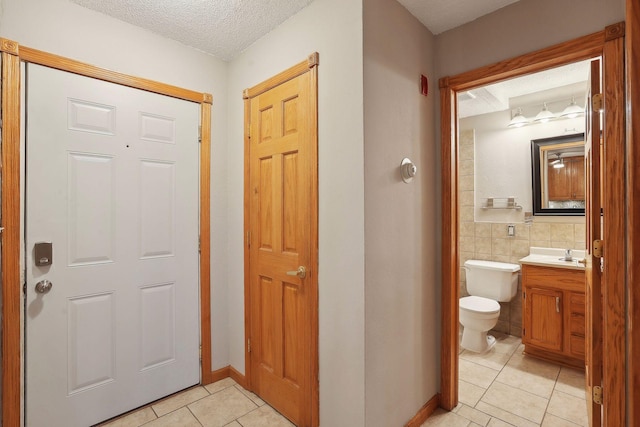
point(633, 208)
point(604, 43)
point(309, 65)
point(12, 56)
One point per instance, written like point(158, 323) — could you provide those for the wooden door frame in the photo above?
point(608, 44)
point(12, 56)
point(633, 208)
point(309, 65)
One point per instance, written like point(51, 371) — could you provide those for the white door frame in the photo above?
point(12, 221)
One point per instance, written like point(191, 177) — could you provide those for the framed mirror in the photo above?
point(558, 175)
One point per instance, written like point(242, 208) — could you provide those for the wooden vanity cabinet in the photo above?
point(553, 314)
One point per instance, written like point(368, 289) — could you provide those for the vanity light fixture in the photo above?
point(573, 110)
point(559, 163)
point(544, 115)
point(518, 119)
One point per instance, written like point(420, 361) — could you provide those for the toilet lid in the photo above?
point(479, 304)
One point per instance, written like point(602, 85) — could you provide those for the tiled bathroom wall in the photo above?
point(489, 241)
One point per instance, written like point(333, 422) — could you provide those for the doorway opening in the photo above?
point(496, 126)
point(606, 44)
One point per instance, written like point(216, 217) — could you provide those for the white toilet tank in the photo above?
point(490, 279)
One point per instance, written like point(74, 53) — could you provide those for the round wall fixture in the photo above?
point(407, 170)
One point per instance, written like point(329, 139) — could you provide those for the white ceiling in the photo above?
point(224, 28)
point(555, 86)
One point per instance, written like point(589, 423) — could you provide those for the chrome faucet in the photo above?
point(567, 255)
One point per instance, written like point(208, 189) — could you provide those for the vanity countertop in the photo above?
point(551, 257)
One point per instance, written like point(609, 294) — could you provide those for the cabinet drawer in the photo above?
point(577, 345)
point(577, 320)
point(556, 278)
point(577, 324)
point(577, 303)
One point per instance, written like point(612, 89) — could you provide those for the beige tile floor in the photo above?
point(506, 388)
point(500, 388)
point(221, 404)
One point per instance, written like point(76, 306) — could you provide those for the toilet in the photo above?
point(487, 283)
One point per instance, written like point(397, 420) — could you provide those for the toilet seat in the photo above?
point(479, 305)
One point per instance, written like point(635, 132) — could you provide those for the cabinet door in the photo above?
point(559, 183)
point(576, 169)
point(543, 318)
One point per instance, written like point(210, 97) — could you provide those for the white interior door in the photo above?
point(112, 183)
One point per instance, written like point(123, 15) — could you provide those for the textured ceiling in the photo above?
point(223, 28)
point(442, 15)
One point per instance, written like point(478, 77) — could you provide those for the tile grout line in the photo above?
point(194, 415)
point(183, 406)
point(492, 382)
point(555, 383)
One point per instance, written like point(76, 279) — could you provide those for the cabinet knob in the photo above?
point(557, 304)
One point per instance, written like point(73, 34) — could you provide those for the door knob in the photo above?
point(301, 272)
point(43, 286)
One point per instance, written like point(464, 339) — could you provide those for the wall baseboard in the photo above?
point(226, 372)
point(424, 412)
point(217, 375)
point(238, 377)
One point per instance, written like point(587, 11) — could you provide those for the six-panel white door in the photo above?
point(112, 182)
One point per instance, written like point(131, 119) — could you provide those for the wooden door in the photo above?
point(593, 271)
point(543, 318)
point(112, 178)
point(282, 268)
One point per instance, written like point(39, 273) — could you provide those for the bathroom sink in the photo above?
point(552, 257)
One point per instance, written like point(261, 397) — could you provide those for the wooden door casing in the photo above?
point(632, 50)
point(608, 43)
point(281, 227)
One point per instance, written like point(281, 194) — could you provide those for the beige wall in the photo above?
point(334, 29)
point(522, 27)
point(401, 304)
